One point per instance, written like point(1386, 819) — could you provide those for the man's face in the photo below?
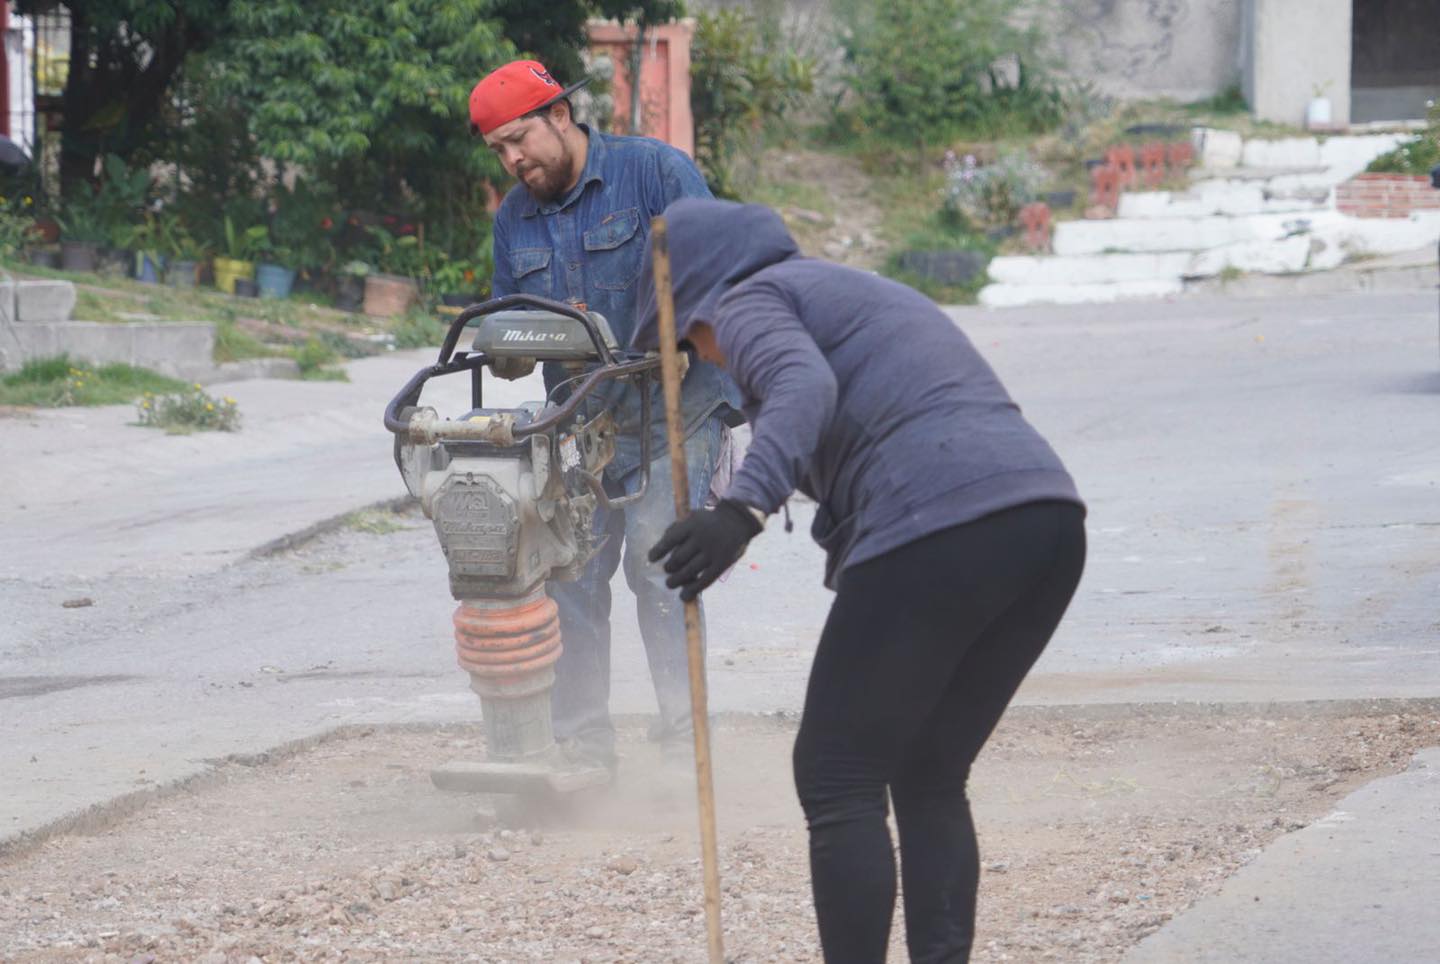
point(532, 150)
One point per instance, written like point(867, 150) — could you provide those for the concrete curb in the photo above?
point(1357, 885)
point(295, 540)
point(1342, 281)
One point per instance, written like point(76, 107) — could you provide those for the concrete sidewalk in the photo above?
point(1357, 887)
point(111, 496)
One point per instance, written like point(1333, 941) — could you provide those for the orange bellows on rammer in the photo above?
point(509, 647)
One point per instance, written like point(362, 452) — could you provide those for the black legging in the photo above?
point(922, 651)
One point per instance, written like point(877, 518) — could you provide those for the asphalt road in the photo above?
point(1264, 517)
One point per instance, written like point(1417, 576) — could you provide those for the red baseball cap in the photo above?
point(514, 91)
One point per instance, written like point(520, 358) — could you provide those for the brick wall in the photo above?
point(1386, 195)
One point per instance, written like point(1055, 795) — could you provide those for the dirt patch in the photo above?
point(1097, 826)
point(828, 203)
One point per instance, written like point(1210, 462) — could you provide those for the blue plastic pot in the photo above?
point(273, 280)
point(147, 268)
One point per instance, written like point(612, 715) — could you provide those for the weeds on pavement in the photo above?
point(189, 410)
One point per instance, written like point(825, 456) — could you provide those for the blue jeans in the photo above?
point(581, 699)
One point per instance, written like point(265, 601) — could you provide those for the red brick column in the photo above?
point(1386, 195)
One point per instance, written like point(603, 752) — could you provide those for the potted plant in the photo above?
point(457, 283)
point(241, 249)
point(186, 256)
point(300, 228)
point(81, 233)
point(350, 285)
point(150, 241)
point(121, 203)
point(393, 289)
point(274, 271)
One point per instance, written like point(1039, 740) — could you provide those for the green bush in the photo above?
point(926, 71)
point(188, 410)
point(17, 226)
point(1418, 156)
point(739, 81)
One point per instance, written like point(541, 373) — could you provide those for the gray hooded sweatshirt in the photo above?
point(861, 393)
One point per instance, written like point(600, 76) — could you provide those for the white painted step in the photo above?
point(1226, 153)
point(1222, 197)
point(1153, 235)
point(1331, 240)
point(1089, 269)
point(1342, 157)
point(1264, 257)
point(1010, 296)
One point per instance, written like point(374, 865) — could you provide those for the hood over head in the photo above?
point(714, 245)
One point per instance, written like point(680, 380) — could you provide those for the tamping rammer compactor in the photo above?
point(512, 493)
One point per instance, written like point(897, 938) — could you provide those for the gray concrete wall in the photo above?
point(34, 323)
point(1297, 50)
point(179, 349)
point(1185, 49)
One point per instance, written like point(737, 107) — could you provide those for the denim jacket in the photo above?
point(587, 248)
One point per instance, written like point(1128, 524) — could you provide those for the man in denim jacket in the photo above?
point(575, 229)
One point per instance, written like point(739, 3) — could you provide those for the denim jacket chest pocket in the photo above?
point(614, 249)
point(527, 268)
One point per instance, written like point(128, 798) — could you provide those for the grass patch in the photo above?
point(376, 522)
point(58, 382)
point(1230, 102)
point(418, 328)
point(232, 344)
point(317, 360)
point(798, 194)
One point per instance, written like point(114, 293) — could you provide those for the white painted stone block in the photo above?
point(1285, 152)
point(1217, 149)
point(1234, 197)
point(1166, 234)
point(1144, 204)
point(1011, 296)
point(1147, 204)
point(1287, 256)
point(42, 301)
point(1362, 236)
point(1088, 269)
point(1344, 157)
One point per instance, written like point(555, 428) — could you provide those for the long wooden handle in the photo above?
point(699, 714)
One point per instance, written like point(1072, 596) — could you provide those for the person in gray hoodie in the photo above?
point(954, 537)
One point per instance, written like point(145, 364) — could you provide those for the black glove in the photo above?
point(704, 545)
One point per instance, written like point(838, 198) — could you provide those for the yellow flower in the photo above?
point(209, 407)
point(197, 386)
point(229, 400)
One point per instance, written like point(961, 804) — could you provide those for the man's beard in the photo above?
point(547, 183)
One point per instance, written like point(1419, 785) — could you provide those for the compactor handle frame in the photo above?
point(451, 361)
